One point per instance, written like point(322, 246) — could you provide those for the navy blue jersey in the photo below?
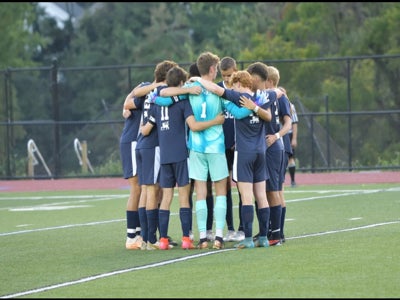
point(274, 125)
point(286, 143)
point(132, 123)
point(228, 126)
point(285, 110)
point(151, 140)
point(249, 128)
point(170, 122)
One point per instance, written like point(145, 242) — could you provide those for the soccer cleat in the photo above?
point(187, 243)
point(293, 184)
point(155, 246)
point(240, 235)
point(171, 241)
point(256, 236)
point(210, 235)
point(274, 242)
point(246, 243)
point(218, 244)
point(143, 246)
point(163, 244)
point(229, 236)
point(261, 241)
point(133, 243)
point(203, 244)
point(233, 236)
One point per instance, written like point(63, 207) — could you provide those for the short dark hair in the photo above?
point(176, 75)
point(258, 68)
point(194, 70)
point(226, 63)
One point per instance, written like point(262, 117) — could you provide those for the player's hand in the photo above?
point(194, 90)
point(270, 139)
point(246, 102)
point(220, 119)
point(279, 93)
point(126, 113)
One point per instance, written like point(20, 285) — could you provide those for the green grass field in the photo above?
point(342, 241)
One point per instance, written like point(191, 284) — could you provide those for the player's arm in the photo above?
point(146, 128)
point(279, 93)
point(284, 112)
point(175, 90)
point(236, 111)
point(202, 125)
point(143, 90)
point(129, 102)
point(209, 85)
point(287, 124)
point(263, 113)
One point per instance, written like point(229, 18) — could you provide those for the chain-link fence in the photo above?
point(60, 122)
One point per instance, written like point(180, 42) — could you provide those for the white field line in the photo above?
point(176, 260)
point(91, 278)
point(95, 198)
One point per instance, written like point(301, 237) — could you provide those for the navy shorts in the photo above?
point(148, 165)
point(274, 168)
point(249, 167)
point(128, 159)
point(174, 174)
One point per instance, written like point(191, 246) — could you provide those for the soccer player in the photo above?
point(194, 71)
point(249, 167)
point(275, 150)
point(148, 163)
point(128, 140)
point(285, 121)
point(132, 111)
point(207, 153)
point(227, 67)
point(170, 123)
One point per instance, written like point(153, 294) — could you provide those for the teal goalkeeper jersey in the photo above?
point(206, 106)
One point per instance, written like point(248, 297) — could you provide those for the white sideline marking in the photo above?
point(61, 227)
point(84, 199)
point(342, 230)
point(81, 199)
point(108, 197)
point(175, 260)
point(48, 207)
point(91, 278)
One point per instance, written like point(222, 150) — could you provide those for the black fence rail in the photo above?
point(66, 122)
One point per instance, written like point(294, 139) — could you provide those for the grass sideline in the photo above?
point(342, 242)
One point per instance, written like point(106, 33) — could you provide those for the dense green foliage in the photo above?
point(137, 35)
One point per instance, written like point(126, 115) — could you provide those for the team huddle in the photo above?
point(184, 131)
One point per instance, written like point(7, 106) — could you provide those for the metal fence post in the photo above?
point(56, 117)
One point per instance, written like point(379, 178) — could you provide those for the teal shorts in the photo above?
point(200, 164)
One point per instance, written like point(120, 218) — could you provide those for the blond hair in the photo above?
point(273, 75)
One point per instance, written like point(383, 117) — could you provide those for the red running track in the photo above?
point(34, 185)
